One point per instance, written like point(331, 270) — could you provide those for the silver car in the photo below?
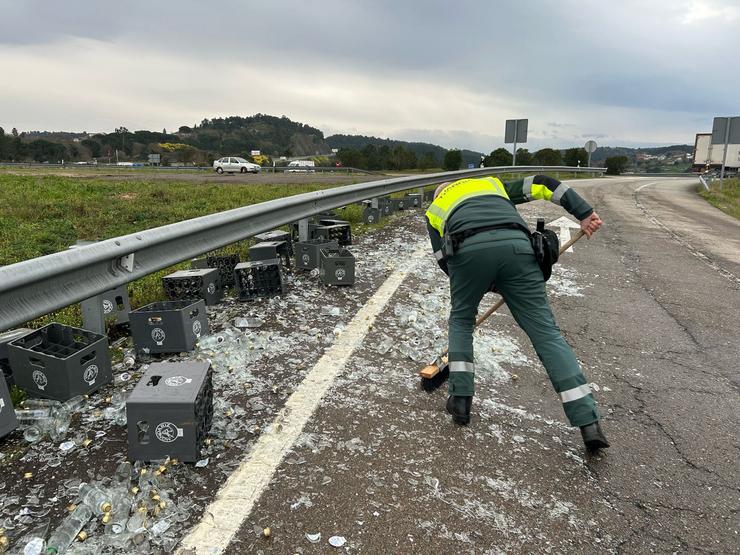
point(232, 164)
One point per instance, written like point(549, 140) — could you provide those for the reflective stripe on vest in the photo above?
point(455, 193)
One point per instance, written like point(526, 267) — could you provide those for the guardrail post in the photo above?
point(374, 202)
point(421, 197)
point(93, 318)
point(303, 229)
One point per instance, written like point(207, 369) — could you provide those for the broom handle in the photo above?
point(499, 303)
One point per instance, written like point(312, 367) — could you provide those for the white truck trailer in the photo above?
point(708, 156)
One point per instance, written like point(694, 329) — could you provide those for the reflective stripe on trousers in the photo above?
point(461, 366)
point(576, 393)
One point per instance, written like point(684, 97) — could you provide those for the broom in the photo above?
point(436, 373)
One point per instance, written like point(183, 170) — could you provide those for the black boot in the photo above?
point(459, 407)
point(593, 437)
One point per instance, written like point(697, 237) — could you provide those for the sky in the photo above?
point(627, 73)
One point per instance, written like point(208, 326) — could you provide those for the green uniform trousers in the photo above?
point(505, 258)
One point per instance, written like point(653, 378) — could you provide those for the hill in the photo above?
point(359, 142)
point(604, 152)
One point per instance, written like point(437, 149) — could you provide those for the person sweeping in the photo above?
point(482, 243)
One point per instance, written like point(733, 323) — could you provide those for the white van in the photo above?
point(301, 166)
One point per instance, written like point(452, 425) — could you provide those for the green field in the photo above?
point(728, 199)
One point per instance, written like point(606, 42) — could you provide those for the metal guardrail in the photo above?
point(41, 285)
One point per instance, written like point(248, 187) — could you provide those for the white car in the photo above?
point(231, 164)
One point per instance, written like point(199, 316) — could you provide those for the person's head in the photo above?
point(441, 186)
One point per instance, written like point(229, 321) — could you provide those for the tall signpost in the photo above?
point(725, 131)
point(590, 147)
point(516, 132)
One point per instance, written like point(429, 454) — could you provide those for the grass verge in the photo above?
point(728, 199)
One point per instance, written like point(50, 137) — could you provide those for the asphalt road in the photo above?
point(650, 306)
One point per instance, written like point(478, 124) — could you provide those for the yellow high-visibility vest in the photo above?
point(457, 192)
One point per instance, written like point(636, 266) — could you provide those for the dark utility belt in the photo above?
point(545, 242)
point(453, 241)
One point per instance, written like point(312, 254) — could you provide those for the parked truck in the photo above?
point(708, 156)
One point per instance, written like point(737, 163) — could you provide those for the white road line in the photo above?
point(236, 498)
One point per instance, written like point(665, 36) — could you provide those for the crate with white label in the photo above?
point(307, 252)
point(387, 205)
point(371, 215)
point(413, 200)
point(337, 266)
point(60, 362)
point(170, 411)
point(168, 326)
point(198, 283)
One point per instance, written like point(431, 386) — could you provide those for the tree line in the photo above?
point(201, 143)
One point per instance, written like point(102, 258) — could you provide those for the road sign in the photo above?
point(255, 153)
point(590, 147)
point(154, 158)
point(719, 130)
point(725, 131)
point(516, 132)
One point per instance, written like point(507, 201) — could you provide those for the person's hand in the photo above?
point(591, 224)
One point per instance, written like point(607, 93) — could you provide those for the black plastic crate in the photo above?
point(170, 411)
point(413, 200)
point(5, 339)
point(8, 421)
point(371, 215)
point(341, 233)
point(115, 305)
point(259, 278)
point(270, 250)
point(276, 235)
point(337, 267)
point(223, 263)
point(307, 252)
point(169, 326)
point(387, 205)
point(60, 362)
point(295, 234)
point(198, 283)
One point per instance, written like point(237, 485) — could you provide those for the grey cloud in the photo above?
point(536, 55)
